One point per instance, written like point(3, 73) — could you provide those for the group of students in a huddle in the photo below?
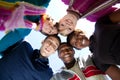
point(21, 62)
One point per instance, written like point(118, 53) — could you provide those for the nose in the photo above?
point(67, 51)
point(78, 40)
point(49, 44)
point(49, 48)
point(54, 29)
point(61, 28)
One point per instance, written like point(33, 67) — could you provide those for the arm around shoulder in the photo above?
point(113, 72)
point(115, 16)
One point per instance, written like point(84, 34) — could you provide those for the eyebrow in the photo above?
point(65, 48)
point(56, 43)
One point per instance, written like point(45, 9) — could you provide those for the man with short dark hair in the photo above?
point(85, 69)
point(21, 62)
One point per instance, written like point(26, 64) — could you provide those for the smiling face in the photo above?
point(49, 46)
point(66, 53)
point(49, 28)
point(67, 24)
point(47, 25)
point(79, 40)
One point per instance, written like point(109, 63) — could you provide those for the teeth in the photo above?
point(66, 56)
point(83, 42)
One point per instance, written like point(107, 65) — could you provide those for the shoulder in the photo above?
point(84, 62)
point(65, 75)
point(103, 20)
point(25, 46)
point(25, 43)
point(91, 71)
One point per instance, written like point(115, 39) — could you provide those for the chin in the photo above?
point(67, 61)
point(78, 48)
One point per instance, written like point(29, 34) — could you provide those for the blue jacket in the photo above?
point(21, 62)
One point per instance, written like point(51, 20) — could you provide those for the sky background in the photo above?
point(57, 10)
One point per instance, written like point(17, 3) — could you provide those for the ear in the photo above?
point(42, 41)
point(59, 55)
point(73, 51)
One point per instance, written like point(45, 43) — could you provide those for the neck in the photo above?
point(42, 55)
point(70, 65)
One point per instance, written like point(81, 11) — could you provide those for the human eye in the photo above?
point(50, 31)
point(62, 24)
point(70, 49)
point(48, 42)
point(69, 29)
point(49, 24)
point(73, 41)
point(54, 47)
point(61, 51)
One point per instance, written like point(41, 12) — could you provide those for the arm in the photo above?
point(31, 9)
point(113, 72)
point(66, 2)
point(115, 16)
point(99, 5)
point(12, 37)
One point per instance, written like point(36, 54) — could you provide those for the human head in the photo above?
point(50, 45)
point(66, 53)
point(65, 75)
point(48, 27)
point(78, 39)
point(68, 23)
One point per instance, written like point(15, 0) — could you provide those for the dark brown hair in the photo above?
point(55, 36)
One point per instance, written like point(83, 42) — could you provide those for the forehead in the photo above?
point(64, 46)
point(53, 39)
point(77, 34)
point(68, 16)
point(65, 17)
